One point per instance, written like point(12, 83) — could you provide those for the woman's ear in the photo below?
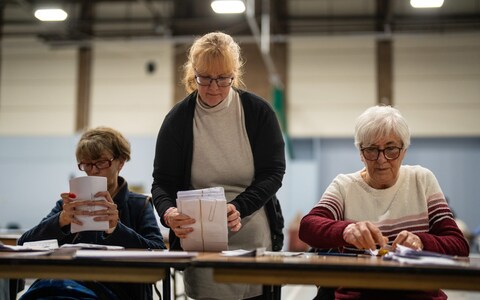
point(121, 162)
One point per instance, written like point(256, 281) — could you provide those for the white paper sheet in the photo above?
point(42, 245)
point(133, 254)
point(209, 208)
point(92, 246)
point(85, 188)
point(407, 255)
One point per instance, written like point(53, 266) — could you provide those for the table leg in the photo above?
point(277, 292)
point(272, 292)
point(166, 286)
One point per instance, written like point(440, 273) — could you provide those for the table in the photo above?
point(137, 270)
point(360, 272)
point(9, 238)
point(270, 271)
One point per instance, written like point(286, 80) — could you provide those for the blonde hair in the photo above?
point(95, 142)
point(213, 52)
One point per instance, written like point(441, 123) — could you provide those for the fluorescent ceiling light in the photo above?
point(228, 6)
point(426, 3)
point(51, 14)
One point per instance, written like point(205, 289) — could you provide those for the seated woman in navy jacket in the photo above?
point(100, 152)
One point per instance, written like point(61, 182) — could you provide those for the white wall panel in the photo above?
point(38, 88)
point(331, 81)
point(37, 94)
point(437, 83)
point(125, 96)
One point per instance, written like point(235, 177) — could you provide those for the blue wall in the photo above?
point(35, 170)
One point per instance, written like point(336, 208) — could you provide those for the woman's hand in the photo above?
point(364, 235)
point(108, 213)
point(178, 223)
point(67, 215)
point(408, 239)
point(233, 218)
point(71, 209)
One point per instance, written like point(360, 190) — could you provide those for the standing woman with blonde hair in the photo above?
point(221, 135)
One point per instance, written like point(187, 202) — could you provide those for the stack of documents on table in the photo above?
point(259, 252)
point(92, 246)
point(20, 250)
point(52, 244)
point(209, 209)
point(134, 254)
point(407, 255)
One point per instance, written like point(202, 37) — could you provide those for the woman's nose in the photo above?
point(93, 171)
point(381, 156)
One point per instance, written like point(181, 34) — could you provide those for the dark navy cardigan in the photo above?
point(137, 228)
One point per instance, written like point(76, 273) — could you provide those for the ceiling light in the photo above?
point(228, 6)
point(51, 14)
point(426, 3)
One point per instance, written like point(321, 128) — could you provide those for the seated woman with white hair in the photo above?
point(384, 203)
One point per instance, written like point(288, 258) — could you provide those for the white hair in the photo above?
point(380, 121)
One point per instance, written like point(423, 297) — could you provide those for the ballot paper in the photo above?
point(209, 208)
point(133, 254)
point(43, 245)
point(85, 188)
point(407, 255)
point(92, 246)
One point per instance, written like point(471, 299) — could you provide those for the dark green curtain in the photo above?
point(278, 99)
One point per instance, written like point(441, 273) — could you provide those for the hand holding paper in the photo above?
point(179, 223)
point(209, 208)
point(85, 188)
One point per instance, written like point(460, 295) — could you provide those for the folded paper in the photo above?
point(85, 188)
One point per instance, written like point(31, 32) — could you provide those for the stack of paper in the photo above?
point(85, 188)
point(209, 208)
point(133, 254)
point(407, 255)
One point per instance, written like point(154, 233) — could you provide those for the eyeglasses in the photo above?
point(372, 153)
point(101, 164)
point(207, 81)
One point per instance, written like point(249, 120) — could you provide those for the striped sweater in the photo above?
point(415, 203)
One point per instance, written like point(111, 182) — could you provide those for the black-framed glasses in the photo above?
point(390, 153)
point(207, 81)
point(101, 164)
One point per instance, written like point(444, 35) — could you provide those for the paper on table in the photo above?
point(42, 244)
point(92, 246)
point(85, 188)
point(133, 254)
point(407, 255)
point(239, 252)
point(244, 253)
point(209, 208)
